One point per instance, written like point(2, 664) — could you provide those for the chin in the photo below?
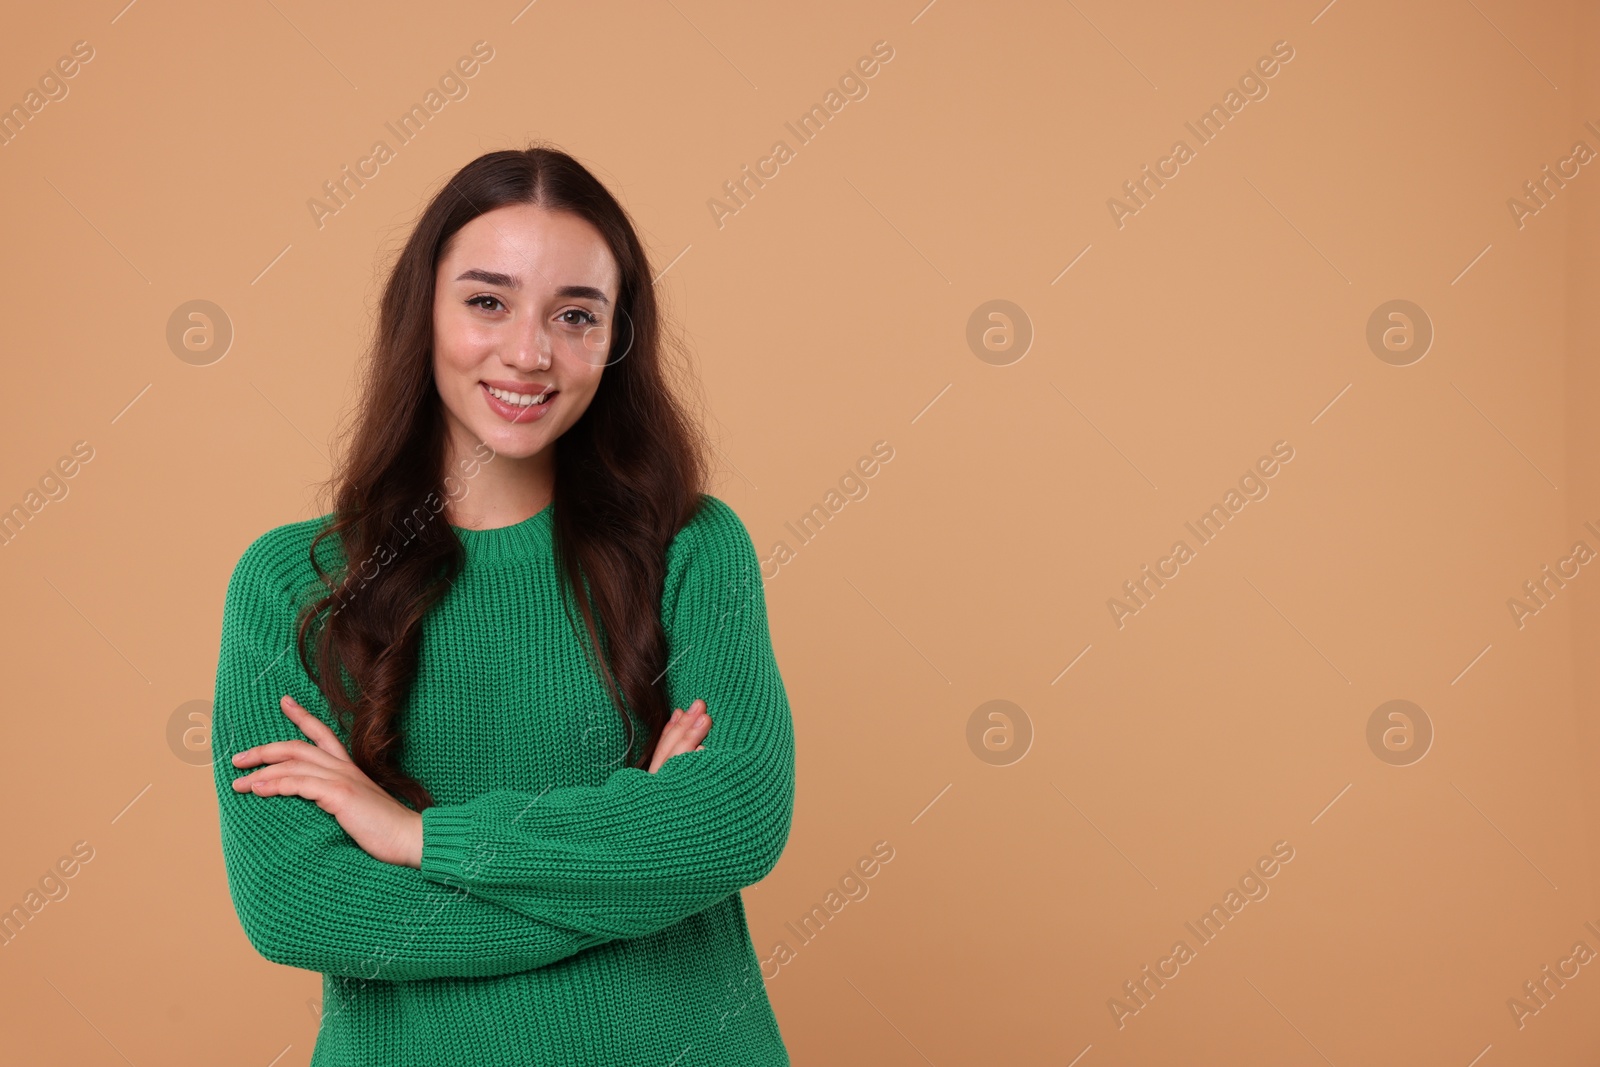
point(515, 444)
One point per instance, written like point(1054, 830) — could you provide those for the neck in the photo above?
point(485, 490)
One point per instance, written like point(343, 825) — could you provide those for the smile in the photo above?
point(517, 407)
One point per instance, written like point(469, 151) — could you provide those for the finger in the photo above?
point(687, 735)
point(669, 744)
point(688, 744)
point(278, 771)
point(676, 725)
point(279, 751)
point(313, 727)
point(321, 791)
point(686, 725)
point(661, 753)
point(701, 715)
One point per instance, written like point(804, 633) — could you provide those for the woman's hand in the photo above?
point(683, 733)
point(324, 773)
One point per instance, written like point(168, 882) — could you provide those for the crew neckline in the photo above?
point(520, 540)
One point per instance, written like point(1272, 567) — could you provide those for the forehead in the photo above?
point(544, 249)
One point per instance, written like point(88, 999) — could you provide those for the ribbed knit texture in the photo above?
point(570, 909)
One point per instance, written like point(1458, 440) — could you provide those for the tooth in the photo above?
point(521, 399)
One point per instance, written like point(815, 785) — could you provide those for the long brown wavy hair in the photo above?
point(629, 474)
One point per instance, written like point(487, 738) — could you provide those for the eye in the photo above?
point(588, 317)
point(484, 296)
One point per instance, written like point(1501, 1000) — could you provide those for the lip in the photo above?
point(530, 388)
point(513, 413)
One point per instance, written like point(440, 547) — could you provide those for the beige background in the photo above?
point(829, 313)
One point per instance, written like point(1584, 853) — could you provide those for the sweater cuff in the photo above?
point(446, 844)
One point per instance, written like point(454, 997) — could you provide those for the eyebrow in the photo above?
point(511, 281)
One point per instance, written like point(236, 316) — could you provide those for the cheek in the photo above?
point(581, 377)
point(450, 344)
point(456, 371)
point(455, 375)
point(458, 339)
point(442, 331)
point(583, 394)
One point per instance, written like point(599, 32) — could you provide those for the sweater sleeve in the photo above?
point(306, 894)
point(643, 851)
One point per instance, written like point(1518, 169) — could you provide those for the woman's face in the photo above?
point(523, 304)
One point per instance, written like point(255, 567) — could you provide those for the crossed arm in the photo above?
point(509, 881)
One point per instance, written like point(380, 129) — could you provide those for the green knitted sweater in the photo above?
point(570, 909)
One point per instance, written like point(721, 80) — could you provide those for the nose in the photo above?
point(531, 346)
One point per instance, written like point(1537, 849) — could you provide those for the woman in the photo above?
point(561, 882)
